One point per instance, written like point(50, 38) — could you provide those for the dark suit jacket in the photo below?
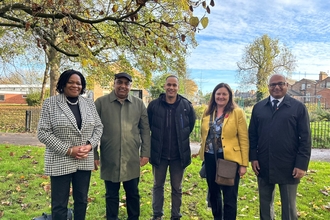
point(281, 140)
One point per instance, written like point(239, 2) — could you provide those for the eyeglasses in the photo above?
point(279, 84)
point(119, 82)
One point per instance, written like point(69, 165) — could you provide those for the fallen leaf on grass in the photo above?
point(25, 156)
point(327, 207)
point(11, 154)
point(315, 207)
point(302, 214)
point(46, 188)
point(145, 171)
point(90, 199)
point(7, 203)
point(243, 197)
point(324, 192)
point(188, 193)
point(24, 206)
point(245, 208)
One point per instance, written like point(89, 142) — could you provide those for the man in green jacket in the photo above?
point(124, 147)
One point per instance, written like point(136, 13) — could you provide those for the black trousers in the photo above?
point(223, 199)
point(60, 192)
point(132, 199)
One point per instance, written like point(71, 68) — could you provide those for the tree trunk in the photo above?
point(44, 83)
point(54, 59)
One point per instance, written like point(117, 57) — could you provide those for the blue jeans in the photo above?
point(60, 193)
point(176, 176)
point(132, 199)
point(225, 208)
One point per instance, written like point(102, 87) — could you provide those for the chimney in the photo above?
point(322, 75)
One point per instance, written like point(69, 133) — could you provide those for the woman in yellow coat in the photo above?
point(227, 122)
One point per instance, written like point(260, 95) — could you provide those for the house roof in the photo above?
point(294, 93)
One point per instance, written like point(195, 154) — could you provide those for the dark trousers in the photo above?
point(176, 176)
point(132, 199)
point(288, 194)
point(60, 192)
point(223, 199)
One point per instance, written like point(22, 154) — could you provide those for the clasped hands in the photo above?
point(80, 152)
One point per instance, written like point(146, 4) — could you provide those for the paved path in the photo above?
point(30, 139)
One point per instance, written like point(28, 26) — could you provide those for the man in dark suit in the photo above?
point(280, 147)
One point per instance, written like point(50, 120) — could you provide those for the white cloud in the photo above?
point(301, 25)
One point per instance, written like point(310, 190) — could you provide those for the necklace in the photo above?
point(72, 103)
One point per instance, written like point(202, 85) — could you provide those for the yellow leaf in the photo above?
point(194, 21)
point(204, 22)
point(84, 63)
point(115, 8)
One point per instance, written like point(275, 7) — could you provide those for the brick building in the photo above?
point(15, 94)
point(312, 91)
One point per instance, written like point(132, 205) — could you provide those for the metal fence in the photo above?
point(25, 119)
point(19, 118)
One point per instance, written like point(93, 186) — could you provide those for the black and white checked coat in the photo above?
point(59, 131)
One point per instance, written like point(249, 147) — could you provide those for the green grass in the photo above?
point(25, 191)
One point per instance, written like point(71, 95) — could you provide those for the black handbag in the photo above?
point(202, 172)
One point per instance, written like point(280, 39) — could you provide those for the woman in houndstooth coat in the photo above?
point(70, 128)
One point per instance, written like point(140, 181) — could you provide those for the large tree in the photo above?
point(265, 56)
point(148, 35)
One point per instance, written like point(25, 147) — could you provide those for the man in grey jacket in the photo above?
point(125, 145)
point(171, 119)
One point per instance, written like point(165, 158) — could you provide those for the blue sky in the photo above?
point(302, 25)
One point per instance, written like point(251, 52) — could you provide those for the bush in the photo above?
point(319, 115)
point(199, 110)
point(33, 98)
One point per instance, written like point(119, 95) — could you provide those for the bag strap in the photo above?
point(215, 146)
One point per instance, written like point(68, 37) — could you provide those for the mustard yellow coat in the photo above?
point(234, 136)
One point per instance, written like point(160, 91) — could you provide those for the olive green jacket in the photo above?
point(126, 137)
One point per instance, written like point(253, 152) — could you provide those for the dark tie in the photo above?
point(275, 101)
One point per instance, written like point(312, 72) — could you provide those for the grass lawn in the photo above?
point(25, 191)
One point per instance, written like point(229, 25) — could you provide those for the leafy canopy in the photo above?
point(145, 35)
